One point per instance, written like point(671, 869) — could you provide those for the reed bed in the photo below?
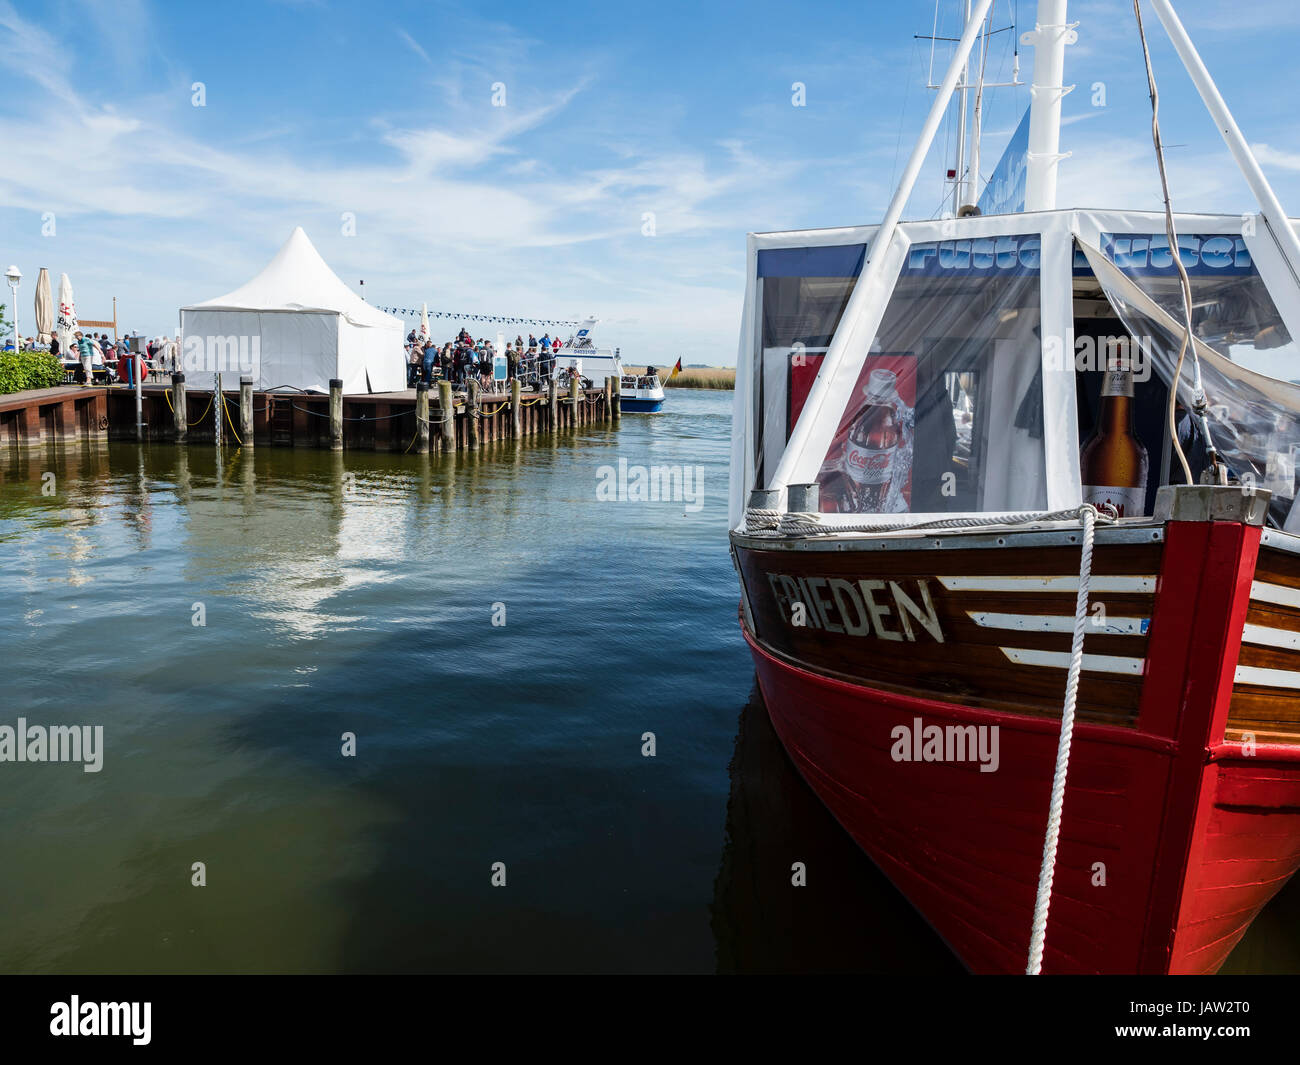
point(720, 377)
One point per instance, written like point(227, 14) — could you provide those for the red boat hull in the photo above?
point(1171, 841)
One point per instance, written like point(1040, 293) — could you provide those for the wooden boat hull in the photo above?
point(1182, 816)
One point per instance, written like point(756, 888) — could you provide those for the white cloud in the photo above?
point(154, 211)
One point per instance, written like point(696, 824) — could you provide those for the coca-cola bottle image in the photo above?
point(872, 445)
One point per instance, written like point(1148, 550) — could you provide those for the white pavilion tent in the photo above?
point(297, 325)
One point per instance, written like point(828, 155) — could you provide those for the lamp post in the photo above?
point(13, 275)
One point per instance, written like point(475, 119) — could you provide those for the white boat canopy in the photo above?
point(983, 329)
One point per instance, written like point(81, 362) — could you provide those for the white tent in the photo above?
point(295, 324)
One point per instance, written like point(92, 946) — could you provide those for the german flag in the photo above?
point(672, 373)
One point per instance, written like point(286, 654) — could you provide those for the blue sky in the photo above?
point(384, 111)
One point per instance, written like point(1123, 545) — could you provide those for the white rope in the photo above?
point(1038, 930)
point(778, 523)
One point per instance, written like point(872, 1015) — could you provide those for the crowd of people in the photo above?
point(464, 359)
point(97, 355)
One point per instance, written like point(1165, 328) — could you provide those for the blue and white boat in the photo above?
point(639, 393)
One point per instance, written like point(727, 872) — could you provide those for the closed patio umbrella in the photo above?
point(66, 324)
point(44, 308)
point(424, 323)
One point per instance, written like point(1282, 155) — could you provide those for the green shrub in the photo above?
point(29, 369)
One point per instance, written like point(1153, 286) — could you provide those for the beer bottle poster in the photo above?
point(868, 468)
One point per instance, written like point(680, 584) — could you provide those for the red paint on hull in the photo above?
point(1171, 839)
point(965, 846)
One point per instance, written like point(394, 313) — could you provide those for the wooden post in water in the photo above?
point(609, 398)
point(336, 414)
point(516, 427)
point(178, 407)
point(616, 404)
point(447, 416)
point(246, 410)
point(575, 396)
point(553, 403)
point(472, 413)
point(422, 418)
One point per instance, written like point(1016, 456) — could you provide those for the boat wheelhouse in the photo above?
point(1020, 557)
point(638, 393)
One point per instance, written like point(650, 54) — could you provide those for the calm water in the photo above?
point(356, 593)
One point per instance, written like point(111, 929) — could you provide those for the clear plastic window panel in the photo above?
point(1232, 310)
point(1254, 419)
point(946, 415)
point(804, 292)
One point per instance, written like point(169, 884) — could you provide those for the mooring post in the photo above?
point(422, 418)
point(553, 403)
point(472, 413)
point(447, 416)
point(616, 404)
point(178, 407)
point(516, 426)
point(575, 395)
point(246, 410)
point(609, 398)
point(336, 414)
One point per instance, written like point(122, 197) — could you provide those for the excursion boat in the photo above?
point(1013, 509)
point(639, 393)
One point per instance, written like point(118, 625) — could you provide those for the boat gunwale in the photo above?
point(1046, 534)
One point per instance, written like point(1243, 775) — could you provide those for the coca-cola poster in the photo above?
point(868, 468)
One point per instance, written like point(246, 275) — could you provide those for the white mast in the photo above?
point(1269, 205)
point(811, 426)
point(957, 198)
point(1048, 38)
point(977, 130)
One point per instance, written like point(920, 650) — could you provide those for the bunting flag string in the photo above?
point(497, 319)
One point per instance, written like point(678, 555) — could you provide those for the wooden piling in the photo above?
point(447, 416)
point(422, 418)
point(179, 420)
point(553, 403)
point(246, 410)
point(516, 426)
point(336, 414)
point(575, 397)
point(609, 397)
point(616, 405)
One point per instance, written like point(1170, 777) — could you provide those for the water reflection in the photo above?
point(848, 919)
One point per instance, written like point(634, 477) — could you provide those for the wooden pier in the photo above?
point(53, 414)
point(386, 421)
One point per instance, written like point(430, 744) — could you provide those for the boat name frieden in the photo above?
point(886, 609)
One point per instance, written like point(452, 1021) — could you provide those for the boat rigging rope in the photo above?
point(1038, 930)
point(1199, 404)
